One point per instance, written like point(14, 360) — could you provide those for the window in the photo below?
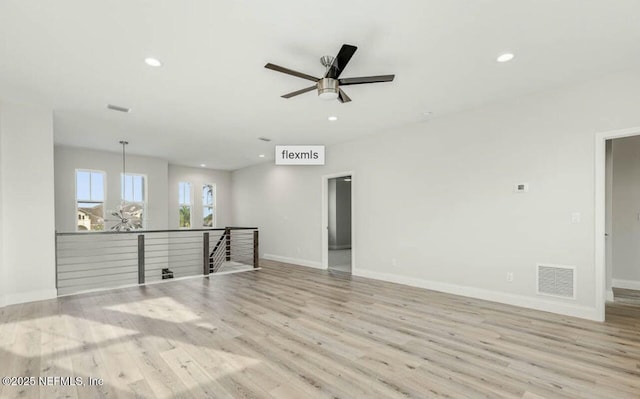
point(133, 198)
point(184, 202)
point(90, 187)
point(208, 205)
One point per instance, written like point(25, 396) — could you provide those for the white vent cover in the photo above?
point(556, 280)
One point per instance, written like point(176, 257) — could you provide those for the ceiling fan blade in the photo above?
point(291, 72)
point(295, 93)
point(366, 79)
point(343, 97)
point(341, 61)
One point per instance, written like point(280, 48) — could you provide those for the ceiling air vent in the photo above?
point(557, 280)
point(118, 108)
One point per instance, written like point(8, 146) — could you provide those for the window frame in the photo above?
point(103, 202)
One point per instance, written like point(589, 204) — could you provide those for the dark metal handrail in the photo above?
point(73, 233)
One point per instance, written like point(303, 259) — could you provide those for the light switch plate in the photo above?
point(576, 217)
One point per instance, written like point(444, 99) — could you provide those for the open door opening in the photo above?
point(339, 224)
point(622, 226)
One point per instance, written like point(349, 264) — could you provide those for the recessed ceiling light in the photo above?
point(154, 62)
point(333, 118)
point(202, 165)
point(261, 155)
point(505, 57)
point(347, 179)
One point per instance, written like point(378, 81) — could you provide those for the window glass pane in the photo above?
point(128, 187)
point(207, 194)
point(83, 185)
point(207, 219)
point(180, 193)
point(97, 186)
point(90, 216)
point(187, 193)
point(185, 216)
point(136, 214)
point(138, 188)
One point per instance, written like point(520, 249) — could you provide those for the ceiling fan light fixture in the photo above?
point(329, 86)
point(328, 89)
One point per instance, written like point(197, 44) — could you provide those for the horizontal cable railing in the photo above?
point(236, 246)
point(96, 260)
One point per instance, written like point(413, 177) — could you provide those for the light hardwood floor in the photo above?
point(294, 332)
point(631, 297)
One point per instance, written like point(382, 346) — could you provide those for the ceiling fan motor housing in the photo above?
point(328, 88)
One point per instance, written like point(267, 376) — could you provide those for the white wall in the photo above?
point(199, 177)
point(27, 203)
point(2, 282)
point(437, 199)
point(626, 212)
point(68, 159)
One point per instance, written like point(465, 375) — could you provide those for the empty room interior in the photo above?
point(243, 199)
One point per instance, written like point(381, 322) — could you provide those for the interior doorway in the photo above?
point(339, 232)
point(622, 222)
point(602, 260)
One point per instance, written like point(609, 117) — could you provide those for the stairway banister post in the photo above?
point(205, 253)
point(256, 261)
point(141, 259)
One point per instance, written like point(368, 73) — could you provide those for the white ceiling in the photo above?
point(212, 97)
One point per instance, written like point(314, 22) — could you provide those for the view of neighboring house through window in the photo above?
point(208, 205)
point(184, 202)
point(90, 200)
point(133, 198)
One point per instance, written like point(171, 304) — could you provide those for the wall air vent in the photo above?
point(556, 280)
point(118, 108)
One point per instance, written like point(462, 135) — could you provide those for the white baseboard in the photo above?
point(493, 296)
point(300, 262)
point(348, 246)
point(609, 295)
point(31, 296)
point(626, 284)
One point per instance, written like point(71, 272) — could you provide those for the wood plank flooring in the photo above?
point(622, 295)
point(293, 332)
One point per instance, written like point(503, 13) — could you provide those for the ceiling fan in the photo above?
point(329, 86)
